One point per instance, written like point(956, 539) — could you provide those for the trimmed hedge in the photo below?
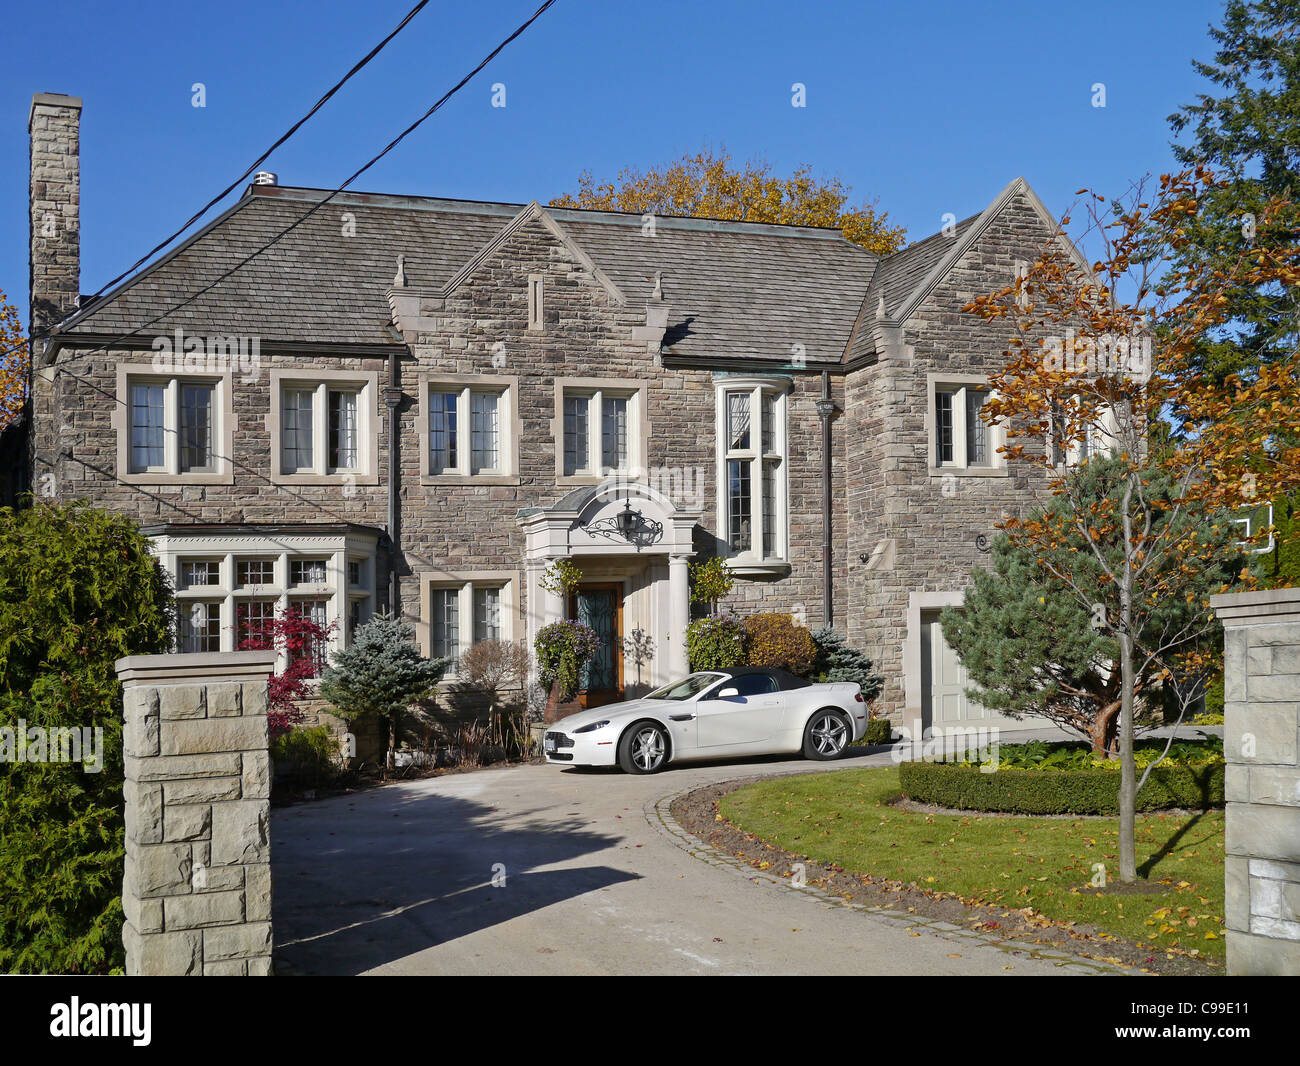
point(964, 787)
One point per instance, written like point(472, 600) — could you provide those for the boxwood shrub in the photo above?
point(1091, 791)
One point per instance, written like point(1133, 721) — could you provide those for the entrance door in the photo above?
point(601, 607)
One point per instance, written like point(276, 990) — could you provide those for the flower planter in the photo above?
point(557, 708)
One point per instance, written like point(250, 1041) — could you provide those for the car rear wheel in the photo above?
point(826, 735)
point(643, 749)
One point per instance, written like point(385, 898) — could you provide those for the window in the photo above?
point(172, 426)
point(751, 684)
point(356, 569)
point(253, 572)
point(252, 617)
point(487, 614)
point(600, 427)
point(307, 572)
point(460, 610)
point(1070, 443)
point(200, 626)
point(325, 426)
point(314, 653)
point(200, 573)
point(445, 623)
point(467, 430)
point(752, 461)
point(961, 439)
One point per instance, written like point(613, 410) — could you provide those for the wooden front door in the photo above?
point(601, 607)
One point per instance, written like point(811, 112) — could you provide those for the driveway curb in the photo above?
point(659, 815)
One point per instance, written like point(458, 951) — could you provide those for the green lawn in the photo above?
point(844, 817)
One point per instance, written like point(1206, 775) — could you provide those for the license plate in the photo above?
point(549, 744)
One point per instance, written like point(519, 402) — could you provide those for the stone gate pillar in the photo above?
point(197, 887)
point(1261, 741)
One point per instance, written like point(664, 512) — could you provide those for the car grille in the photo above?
point(561, 741)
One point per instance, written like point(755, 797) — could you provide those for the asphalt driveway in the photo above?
point(539, 870)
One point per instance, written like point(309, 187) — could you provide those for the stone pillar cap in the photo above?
point(1262, 607)
point(52, 100)
point(208, 667)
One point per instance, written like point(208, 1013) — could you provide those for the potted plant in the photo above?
point(563, 649)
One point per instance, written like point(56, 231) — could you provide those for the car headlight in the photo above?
point(593, 727)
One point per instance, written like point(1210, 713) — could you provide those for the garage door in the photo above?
point(944, 702)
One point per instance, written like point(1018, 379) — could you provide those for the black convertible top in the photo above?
point(783, 679)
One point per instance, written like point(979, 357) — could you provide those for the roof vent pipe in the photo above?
point(265, 177)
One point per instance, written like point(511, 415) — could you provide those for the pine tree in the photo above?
point(381, 673)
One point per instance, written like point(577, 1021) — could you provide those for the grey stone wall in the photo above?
point(1261, 741)
point(197, 888)
point(925, 527)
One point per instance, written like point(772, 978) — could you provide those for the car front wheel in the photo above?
point(643, 749)
point(826, 735)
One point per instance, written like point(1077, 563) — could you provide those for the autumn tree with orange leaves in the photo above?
point(1101, 361)
point(13, 363)
point(708, 185)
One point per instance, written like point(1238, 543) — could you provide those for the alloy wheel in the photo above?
point(829, 734)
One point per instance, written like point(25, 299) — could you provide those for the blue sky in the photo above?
point(926, 107)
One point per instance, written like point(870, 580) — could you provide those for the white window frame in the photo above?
point(594, 391)
point(994, 435)
point(219, 471)
point(1101, 439)
point(779, 389)
point(465, 583)
point(321, 383)
point(509, 429)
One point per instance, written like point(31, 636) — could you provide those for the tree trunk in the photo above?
point(1102, 733)
point(1127, 768)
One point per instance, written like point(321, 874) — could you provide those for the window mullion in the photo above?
point(465, 431)
point(171, 426)
point(595, 432)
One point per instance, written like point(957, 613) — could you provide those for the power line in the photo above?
point(265, 155)
point(375, 159)
point(327, 199)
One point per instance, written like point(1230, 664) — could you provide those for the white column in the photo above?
point(679, 616)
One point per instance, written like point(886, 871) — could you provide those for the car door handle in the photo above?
point(680, 717)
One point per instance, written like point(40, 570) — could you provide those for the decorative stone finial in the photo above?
point(399, 282)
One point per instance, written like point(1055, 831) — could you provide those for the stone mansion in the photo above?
point(363, 401)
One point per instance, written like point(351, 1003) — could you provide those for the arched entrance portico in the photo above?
point(632, 545)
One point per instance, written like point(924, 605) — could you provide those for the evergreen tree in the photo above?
point(79, 589)
point(1249, 132)
point(836, 661)
point(1031, 645)
point(381, 673)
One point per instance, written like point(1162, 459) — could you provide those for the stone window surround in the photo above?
point(638, 425)
point(508, 581)
point(223, 433)
point(510, 427)
point(227, 549)
point(536, 301)
point(746, 563)
point(996, 435)
point(367, 384)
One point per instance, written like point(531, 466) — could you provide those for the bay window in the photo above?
point(752, 464)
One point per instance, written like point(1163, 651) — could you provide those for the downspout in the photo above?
point(826, 408)
point(393, 400)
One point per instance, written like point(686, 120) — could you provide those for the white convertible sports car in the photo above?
point(713, 714)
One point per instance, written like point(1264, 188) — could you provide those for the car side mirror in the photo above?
point(728, 693)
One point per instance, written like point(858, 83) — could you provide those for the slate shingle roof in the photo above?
point(736, 290)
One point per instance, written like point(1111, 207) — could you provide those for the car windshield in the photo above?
point(685, 688)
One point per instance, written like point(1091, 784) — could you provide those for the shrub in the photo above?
point(775, 641)
point(710, 581)
point(880, 731)
point(715, 643)
point(1091, 791)
point(382, 673)
point(305, 758)
point(838, 662)
point(563, 649)
point(79, 589)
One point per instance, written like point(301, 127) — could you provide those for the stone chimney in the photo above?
point(55, 199)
